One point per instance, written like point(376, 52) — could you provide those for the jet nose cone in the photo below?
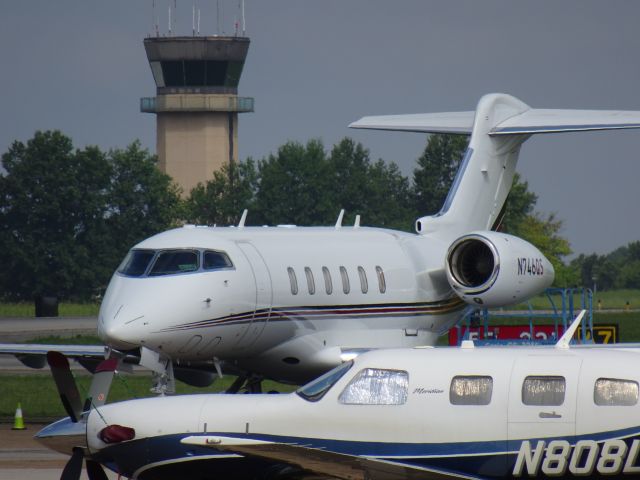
point(63, 436)
point(123, 333)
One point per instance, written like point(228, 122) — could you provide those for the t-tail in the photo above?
point(498, 127)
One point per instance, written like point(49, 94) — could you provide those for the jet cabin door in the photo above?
point(542, 398)
point(263, 297)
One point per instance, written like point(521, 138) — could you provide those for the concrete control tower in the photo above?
point(197, 104)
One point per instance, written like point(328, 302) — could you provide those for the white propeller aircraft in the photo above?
point(290, 303)
point(421, 413)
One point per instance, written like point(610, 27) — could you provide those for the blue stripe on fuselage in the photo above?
point(491, 459)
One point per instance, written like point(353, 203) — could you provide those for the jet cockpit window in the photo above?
point(136, 263)
point(215, 260)
point(471, 390)
point(373, 386)
point(315, 390)
point(170, 262)
point(543, 391)
point(614, 392)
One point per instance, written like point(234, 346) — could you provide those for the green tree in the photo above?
point(519, 205)
point(142, 201)
point(544, 233)
point(628, 261)
point(68, 216)
point(222, 199)
point(378, 192)
point(436, 170)
point(293, 186)
point(51, 200)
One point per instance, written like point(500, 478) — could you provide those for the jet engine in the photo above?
point(491, 269)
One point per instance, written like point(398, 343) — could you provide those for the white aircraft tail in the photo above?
point(498, 127)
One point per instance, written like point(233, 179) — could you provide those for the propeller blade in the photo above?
point(73, 468)
point(66, 384)
point(95, 471)
point(101, 383)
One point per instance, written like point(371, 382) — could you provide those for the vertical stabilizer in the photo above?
point(486, 172)
point(498, 127)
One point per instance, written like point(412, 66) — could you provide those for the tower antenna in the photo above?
point(169, 19)
point(193, 19)
point(175, 14)
point(218, 17)
point(244, 25)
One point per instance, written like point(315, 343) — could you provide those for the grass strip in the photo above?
point(39, 398)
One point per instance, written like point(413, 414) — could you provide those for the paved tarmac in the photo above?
point(16, 330)
point(24, 329)
point(22, 458)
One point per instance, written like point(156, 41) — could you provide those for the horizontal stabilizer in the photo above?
point(451, 122)
point(537, 120)
point(531, 121)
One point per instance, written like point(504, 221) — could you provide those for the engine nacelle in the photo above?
point(491, 269)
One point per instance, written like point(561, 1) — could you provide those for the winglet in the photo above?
point(340, 217)
point(568, 335)
point(243, 219)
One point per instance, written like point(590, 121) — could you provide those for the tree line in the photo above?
point(69, 215)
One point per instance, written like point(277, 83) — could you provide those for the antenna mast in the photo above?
point(244, 25)
point(218, 17)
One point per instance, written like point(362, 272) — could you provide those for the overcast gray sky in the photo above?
point(315, 66)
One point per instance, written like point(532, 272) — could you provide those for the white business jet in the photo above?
point(422, 413)
point(290, 303)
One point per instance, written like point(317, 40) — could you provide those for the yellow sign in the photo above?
point(604, 333)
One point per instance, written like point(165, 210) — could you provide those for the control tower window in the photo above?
point(200, 73)
point(169, 262)
point(173, 73)
point(216, 72)
point(194, 71)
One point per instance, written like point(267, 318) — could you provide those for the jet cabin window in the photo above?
point(136, 263)
point(543, 391)
point(471, 390)
point(169, 262)
point(364, 285)
point(345, 280)
point(315, 390)
point(382, 283)
point(373, 386)
point(328, 284)
point(311, 284)
point(293, 280)
point(614, 392)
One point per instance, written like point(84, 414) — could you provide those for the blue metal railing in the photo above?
point(565, 303)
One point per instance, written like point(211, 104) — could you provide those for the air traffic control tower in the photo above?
point(196, 103)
